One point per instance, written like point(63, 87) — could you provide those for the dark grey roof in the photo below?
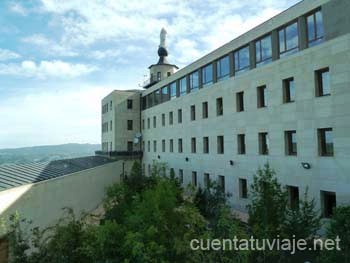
point(12, 175)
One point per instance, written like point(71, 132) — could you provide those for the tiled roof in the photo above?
point(13, 175)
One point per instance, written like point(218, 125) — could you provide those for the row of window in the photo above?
point(105, 126)
point(239, 61)
point(129, 106)
point(324, 135)
point(322, 88)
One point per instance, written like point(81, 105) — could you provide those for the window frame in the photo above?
point(192, 81)
point(237, 60)
point(206, 82)
point(219, 68)
point(322, 142)
point(287, 51)
point(262, 61)
point(289, 148)
point(287, 98)
point(317, 39)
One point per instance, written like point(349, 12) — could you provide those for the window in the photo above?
point(157, 97)
point(150, 100)
point(154, 146)
point(110, 105)
point(163, 119)
point(205, 144)
point(325, 142)
point(223, 68)
point(154, 121)
point(165, 94)
point(328, 203)
point(240, 101)
point(263, 143)
point(181, 176)
point(291, 142)
point(110, 125)
point(243, 188)
point(148, 146)
point(288, 40)
point(163, 146)
point(193, 145)
point(221, 182)
point(180, 145)
point(159, 76)
point(293, 196)
point(242, 62)
point(315, 32)
point(171, 118)
point(322, 82)
point(219, 107)
point(171, 145)
point(111, 146)
point(194, 81)
point(130, 146)
point(241, 144)
point(220, 142)
point(129, 104)
point(172, 88)
point(288, 90)
point(205, 110)
point(179, 116)
point(206, 180)
point(130, 125)
point(263, 51)
point(193, 112)
point(148, 123)
point(143, 146)
point(262, 96)
point(194, 178)
point(207, 75)
point(143, 124)
point(168, 74)
point(183, 86)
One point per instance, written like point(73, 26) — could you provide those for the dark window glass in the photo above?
point(154, 121)
point(154, 146)
point(288, 40)
point(221, 183)
point(206, 180)
point(129, 104)
point(194, 178)
point(263, 143)
point(315, 30)
point(171, 118)
point(159, 76)
point(183, 86)
point(157, 97)
point(194, 81)
point(223, 68)
point(240, 101)
point(163, 119)
point(148, 123)
point(193, 112)
point(163, 145)
point(262, 96)
point(179, 116)
point(207, 74)
point(220, 144)
point(150, 100)
point(241, 143)
point(263, 51)
point(148, 146)
point(130, 125)
point(288, 90)
point(165, 94)
point(243, 188)
point(181, 176)
point(193, 145)
point(130, 146)
point(205, 110)
point(172, 88)
point(293, 196)
point(291, 142)
point(171, 145)
point(322, 82)
point(329, 202)
point(180, 146)
point(205, 144)
point(242, 60)
point(219, 107)
point(325, 138)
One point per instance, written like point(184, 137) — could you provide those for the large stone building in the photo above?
point(279, 93)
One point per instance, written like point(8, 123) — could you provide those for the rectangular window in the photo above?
point(240, 101)
point(179, 116)
point(223, 68)
point(171, 118)
point(288, 90)
point(159, 76)
point(328, 203)
point(293, 196)
point(143, 124)
point(157, 97)
point(148, 146)
point(243, 188)
point(263, 143)
point(154, 146)
point(194, 81)
point(205, 110)
point(163, 119)
point(242, 62)
point(148, 123)
point(241, 144)
point(205, 144)
point(163, 146)
point(110, 125)
point(165, 94)
point(206, 180)
point(130, 125)
point(143, 146)
point(325, 142)
point(219, 107)
point(290, 142)
point(322, 82)
point(194, 178)
point(193, 145)
point(262, 96)
point(288, 40)
point(181, 176)
point(150, 100)
point(130, 146)
point(207, 75)
point(110, 107)
point(193, 112)
point(172, 88)
point(129, 104)
point(180, 146)
point(154, 121)
point(171, 145)
point(220, 143)
point(263, 51)
point(183, 86)
point(221, 183)
point(315, 30)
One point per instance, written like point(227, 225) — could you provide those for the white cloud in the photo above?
point(46, 69)
point(6, 54)
point(102, 54)
point(18, 9)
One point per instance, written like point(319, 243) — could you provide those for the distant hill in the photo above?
point(47, 153)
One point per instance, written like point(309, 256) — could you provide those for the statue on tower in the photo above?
point(162, 51)
point(163, 38)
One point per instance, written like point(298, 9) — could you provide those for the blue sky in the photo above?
point(59, 58)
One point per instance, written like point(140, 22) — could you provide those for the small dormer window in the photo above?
point(158, 76)
point(168, 74)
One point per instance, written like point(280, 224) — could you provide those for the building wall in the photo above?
point(43, 202)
